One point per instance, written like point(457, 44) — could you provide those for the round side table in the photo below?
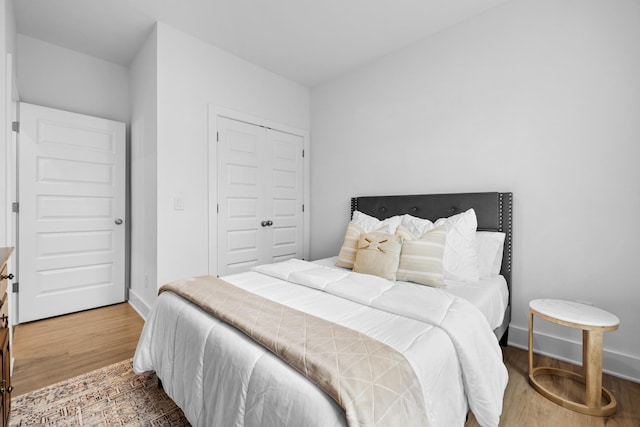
point(593, 322)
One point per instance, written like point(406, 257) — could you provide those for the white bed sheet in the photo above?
point(489, 295)
point(218, 376)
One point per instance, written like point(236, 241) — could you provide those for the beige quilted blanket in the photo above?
point(374, 383)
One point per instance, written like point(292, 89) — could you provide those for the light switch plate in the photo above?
point(178, 203)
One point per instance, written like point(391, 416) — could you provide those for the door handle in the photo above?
point(118, 221)
point(266, 223)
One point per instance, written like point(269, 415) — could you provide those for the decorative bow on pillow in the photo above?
point(378, 254)
point(376, 242)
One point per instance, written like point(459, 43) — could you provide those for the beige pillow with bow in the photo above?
point(349, 248)
point(378, 254)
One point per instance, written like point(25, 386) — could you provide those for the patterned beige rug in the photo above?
point(111, 396)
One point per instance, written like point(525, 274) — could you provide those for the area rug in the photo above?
point(111, 396)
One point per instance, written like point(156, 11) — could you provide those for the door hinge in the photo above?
point(303, 208)
point(217, 208)
point(15, 126)
point(217, 136)
point(15, 207)
point(303, 154)
point(16, 286)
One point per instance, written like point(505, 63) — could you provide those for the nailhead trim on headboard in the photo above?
point(506, 226)
point(506, 209)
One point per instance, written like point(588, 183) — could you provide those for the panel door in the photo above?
point(71, 252)
point(283, 200)
point(260, 196)
point(241, 187)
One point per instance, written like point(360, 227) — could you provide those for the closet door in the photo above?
point(241, 153)
point(260, 196)
point(284, 200)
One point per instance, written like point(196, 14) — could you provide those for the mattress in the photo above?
point(218, 376)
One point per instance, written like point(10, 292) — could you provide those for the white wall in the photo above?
point(143, 160)
point(191, 75)
point(11, 34)
point(56, 77)
point(4, 140)
point(7, 80)
point(538, 97)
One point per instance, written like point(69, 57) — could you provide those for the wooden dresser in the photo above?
point(5, 355)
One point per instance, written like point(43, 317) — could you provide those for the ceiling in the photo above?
point(308, 41)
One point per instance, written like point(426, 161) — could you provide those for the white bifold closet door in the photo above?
point(260, 196)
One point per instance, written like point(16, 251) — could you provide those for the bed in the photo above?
point(448, 336)
point(494, 212)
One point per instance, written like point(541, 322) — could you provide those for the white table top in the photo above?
point(574, 312)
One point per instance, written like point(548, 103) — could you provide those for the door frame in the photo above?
point(216, 111)
point(9, 184)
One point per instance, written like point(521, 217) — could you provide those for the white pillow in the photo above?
point(416, 226)
point(460, 260)
point(489, 245)
point(369, 223)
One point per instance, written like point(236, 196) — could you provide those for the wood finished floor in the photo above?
point(525, 407)
point(52, 350)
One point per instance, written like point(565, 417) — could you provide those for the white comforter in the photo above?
point(219, 377)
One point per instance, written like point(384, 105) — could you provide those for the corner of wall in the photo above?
point(143, 160)
point(139, 305)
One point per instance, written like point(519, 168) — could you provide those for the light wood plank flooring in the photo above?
point(525, 407)
point(55, 349)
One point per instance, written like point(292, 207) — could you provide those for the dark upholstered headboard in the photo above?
point(493, 210)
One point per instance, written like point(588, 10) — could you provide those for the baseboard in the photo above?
point(138, 305)
point(613, 363)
